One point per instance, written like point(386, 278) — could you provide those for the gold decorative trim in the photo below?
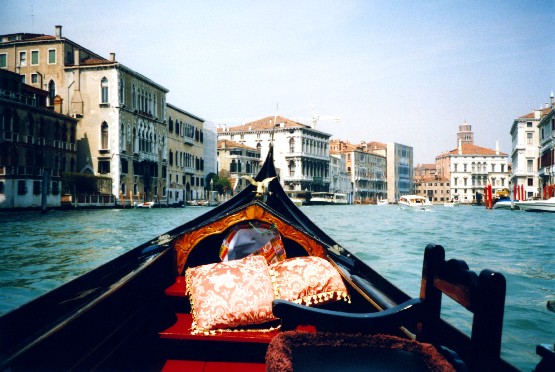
point(188, 241)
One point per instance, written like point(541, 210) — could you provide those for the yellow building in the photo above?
point(186, 156)
point(121, 131)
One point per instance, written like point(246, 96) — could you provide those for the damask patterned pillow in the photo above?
point(308, 281)
point(230, 294)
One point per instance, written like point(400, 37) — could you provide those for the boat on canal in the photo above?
point(537, 205)
point(234, 289)
point(328, 198)
point(299, 197)
point(506, 204)
point(414, 202)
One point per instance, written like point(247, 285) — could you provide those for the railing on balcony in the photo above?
point(188, 140)
point(298, 154)
point(18, 97)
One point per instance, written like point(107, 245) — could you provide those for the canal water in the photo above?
point(39, 252)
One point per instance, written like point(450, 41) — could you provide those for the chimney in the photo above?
point(113, 57)
point(58, 31)
point(538, 113)
point(552, 100)
point(497, 147)
point(460, 147)
point(58, 101)
point(77, 57)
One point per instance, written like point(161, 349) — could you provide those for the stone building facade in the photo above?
point(122, 129)
point(427, 183)
point(470, 168)
point(530, 156)
point(301, 153)
point(366, 170)
point(37, 145)
point(546, 161)
point(186, 177)
point(236, 160)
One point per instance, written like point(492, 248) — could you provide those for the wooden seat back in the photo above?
point(483, 295)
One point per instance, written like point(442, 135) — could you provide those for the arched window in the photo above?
point(291, 168)
point(104, 136)
point(121, 91)
point(122, 137)
point(51, 92)
point(292, 145)
point(104, 90)
point(135, 141)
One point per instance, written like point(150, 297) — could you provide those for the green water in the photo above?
point(39, 252)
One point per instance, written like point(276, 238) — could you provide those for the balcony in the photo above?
point(300, 154)
point(188, 140)
point(147, 156)
point(313, 179)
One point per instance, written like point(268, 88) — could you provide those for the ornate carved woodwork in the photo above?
point(188, 241)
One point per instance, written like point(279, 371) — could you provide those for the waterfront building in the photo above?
point(546, 164)
point(399, 170)
point(427, 183)
point(40, 60)
point(400, 180)
point(236, 160)
point(186, 179)
point(524, 155)
point(37, 146)
point(121, 132)
point(470, 168)
point(366, 170)
point(301, 153)
point(340, 181)
point(210, 148)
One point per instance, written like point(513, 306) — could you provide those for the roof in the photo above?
point(222, 144)
point(426, 166)
point(470, 149)
point(96, 61)
point(39, 38)
point(532, 115)
point(431, 179)
point(266, 123)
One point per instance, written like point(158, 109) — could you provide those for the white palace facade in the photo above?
point(301, 153)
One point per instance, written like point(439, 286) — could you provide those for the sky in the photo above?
point(408, 72)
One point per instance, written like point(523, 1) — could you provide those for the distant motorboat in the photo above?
point(414, 201)
point(506, 204)
point(537, 205)
point(327, 198)
point(298, 197)
point(382, 202)
point(145, 205)
point(198, 203)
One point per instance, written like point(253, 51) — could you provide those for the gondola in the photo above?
point(134, 312)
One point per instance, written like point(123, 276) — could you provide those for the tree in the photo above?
point(219, 184)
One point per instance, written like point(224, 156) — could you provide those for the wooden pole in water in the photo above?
point(490, 195)
point(44, 191)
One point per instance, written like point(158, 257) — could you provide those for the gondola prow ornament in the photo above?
point(261, 186)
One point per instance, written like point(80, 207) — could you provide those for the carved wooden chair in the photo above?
point(483, 295)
